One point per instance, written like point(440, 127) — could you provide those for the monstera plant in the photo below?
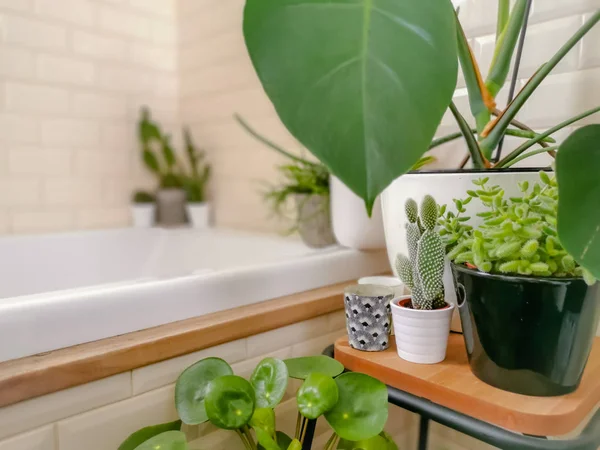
point(355, 406)
point(363, 84)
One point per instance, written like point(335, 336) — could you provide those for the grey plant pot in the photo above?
point(314, 220)
point(171, 207)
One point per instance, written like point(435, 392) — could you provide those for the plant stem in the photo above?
point(472, 144)
point(253, 445)
point(244, 439)
point(522, 133)
point(545, 134)
point(271, 144)
point(303, 428)
point(330, 444)
point(496, 129)
point(527, 155)
point(298, 424)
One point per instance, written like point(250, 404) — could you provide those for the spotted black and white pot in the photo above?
point(368, 316)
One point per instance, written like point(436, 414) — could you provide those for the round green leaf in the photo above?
point(192, 385)
point(142, 435)
point(266, 440)
point(269, 380)
point(169, 440)
point(302, 367)
point(229, 402)
point(362, 407)
point(317, 395)
point(264, 418)
point(382, 441)
point(577, 167)
point(362, 84)
point(295, 445)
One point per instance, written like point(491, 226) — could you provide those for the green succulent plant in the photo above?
point(518, 235)
point(355, 405)
point(195, 183)
point(422, 271)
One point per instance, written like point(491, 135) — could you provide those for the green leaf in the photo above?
point(362, 409)
point(496, 129)
point(478, 92)
point(168, 153)
point(283, 441)
point(317, 395)
point(295, 445)
point(364, 107)
point(141, 436)
point(266, 440)
point(302, 367)
point(269, 380)
point(503, 15)
point(169, 440)
point(151, 161)
point(229, 402)
point(505, 48)
point(382, 441)
point(192, 386)
point(263, 418)
point(472, 144)
point(577, 173)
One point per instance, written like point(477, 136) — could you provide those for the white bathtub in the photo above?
point(66, 289)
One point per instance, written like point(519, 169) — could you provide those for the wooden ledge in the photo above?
point(452, 384)
point(29, 377)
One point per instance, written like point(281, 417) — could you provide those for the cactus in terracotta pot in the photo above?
point(422, 271)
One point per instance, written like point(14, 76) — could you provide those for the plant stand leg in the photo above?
point(423, 433)
point(308, 436)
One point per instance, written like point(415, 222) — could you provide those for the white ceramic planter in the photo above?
point(352, 226)
point(198, 214)
point(143, 214)
point(421, 336)
point(444, 187)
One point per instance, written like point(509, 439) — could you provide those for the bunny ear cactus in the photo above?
point(423, 270)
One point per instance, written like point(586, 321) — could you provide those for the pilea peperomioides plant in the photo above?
point(422, 271)
point(517, 236)
point(355, 405)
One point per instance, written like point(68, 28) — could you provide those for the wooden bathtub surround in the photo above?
point(452, 384)
point(37, 375)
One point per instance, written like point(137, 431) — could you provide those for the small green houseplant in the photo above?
point(355, 405)
point(143, 209)
point(422, 272)
point(195, 184)
point(307, 184)
point(525, 303)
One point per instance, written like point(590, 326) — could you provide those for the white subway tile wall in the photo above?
point(73, 75)
point(100, 415)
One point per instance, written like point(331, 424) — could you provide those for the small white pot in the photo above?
point(352, 227)
point(198, 214)
point(421, 336)
point(143, 214)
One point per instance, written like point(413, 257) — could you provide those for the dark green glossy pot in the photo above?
point(527, 335)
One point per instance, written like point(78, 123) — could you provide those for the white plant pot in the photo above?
point(198, 214)
point(421, 336)
point(143, 214)
point(392, 282)
point(352, 226)
point(444, 186)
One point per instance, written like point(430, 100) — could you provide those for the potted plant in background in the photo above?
point(307, 184)
point(529, 311)
point(197, 207)
point(143, 209)
point(422, 319)
point(159, 157)
point(355, 405)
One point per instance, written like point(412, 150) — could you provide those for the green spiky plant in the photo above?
point(518, 235)
point(423, 270)
point(354, 405)
point(143, 197)
point(195, 183)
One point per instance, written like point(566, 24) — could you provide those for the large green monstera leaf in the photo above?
point(578, 175)
point(363, 84)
